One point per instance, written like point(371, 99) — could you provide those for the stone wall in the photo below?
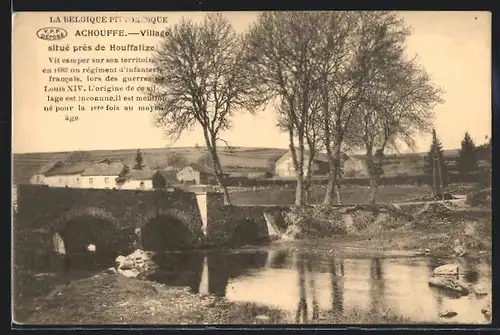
point(42, 211)
point(239, 225)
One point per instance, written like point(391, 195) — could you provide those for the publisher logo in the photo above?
point(51, 34)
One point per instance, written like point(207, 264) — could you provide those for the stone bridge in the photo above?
point(116, 221)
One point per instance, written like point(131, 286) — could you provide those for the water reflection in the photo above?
point(305, 284)
point(470, 275)
point(206, 273)
point(302, 307)
point(337, 286)
point(377, 286)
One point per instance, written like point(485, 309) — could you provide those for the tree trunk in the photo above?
point(309, 175)
point(337, 175)
point(373, 176)
point(332, 179)
point(298, 163)
point(212, 147)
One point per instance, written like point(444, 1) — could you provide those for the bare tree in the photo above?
point(283, 50)
point(202, 78)
point(338, 88)
point(399, 96)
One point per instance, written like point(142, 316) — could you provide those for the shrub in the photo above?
point(361, 219)
point(479, 198)
point(314, 221)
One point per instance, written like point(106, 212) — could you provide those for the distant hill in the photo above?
point(27, 164)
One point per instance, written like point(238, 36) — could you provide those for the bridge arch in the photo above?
point(171, 229)
point(90, 232)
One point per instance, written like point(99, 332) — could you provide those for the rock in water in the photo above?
point(449, 285)
point(487, 311)
point(447, 314)
point(480, 290)
point(446, 270)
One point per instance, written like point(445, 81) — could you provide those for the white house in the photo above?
point(143, 179)
point(64, 175)
point(39, 177)
point(284, 167)
point(137, 180)
point(193, 174)
point(102, 175)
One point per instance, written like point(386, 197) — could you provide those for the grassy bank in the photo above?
point(350, 195)
point(458, 231)
point(114, 299)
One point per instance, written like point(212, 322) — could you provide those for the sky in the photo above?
point(454, 48)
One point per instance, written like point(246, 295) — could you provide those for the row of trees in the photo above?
point(466, 162)
point(337, 80)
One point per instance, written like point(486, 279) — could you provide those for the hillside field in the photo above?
point(25, 165)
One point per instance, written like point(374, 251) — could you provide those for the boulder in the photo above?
point(480, 290)
point(447, 314)
point(447, 270)
point(448, 284)
point(140, 254)
point(486, 310)
point(138, 264)
point(132, 273)
point(126, 264)
point(120, 259)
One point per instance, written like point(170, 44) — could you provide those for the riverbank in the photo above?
point(115, 299)
point(441, 229)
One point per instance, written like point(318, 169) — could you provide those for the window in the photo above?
point(106, 180)
point(91, 181)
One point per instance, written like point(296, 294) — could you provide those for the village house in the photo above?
point(136, 180)
point(102, 175)
point(354, 166)
point(144, 179)
point(63, 175)
point(284, 167)
point(39, 177)
point(197, 174)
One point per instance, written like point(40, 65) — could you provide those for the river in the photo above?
point(291, 276)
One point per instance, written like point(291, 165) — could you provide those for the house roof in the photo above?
point(113, 169)
point(140, 174)
point(200, 168)
point(67, 168)
point(45, 168)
